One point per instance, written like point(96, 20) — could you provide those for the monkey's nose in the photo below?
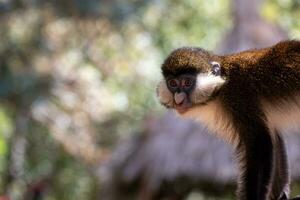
point(179, 97)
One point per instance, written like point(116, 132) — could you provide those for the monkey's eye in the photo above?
point(216, 69)
point(173, 83)
point(187, 82)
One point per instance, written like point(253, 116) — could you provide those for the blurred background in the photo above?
point(79, 118)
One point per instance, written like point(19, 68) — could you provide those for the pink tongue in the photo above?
point(179, 97)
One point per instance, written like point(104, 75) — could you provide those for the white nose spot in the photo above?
point(179, 97)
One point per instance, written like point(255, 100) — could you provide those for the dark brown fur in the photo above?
point(252, 77)
point(276, 67)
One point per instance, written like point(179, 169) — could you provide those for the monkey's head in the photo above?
point(192, 77)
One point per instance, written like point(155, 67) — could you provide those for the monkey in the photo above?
point(246, 98)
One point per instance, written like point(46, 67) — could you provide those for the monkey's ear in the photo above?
point(215, 68)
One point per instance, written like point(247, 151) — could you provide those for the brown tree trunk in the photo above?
point(250, 30)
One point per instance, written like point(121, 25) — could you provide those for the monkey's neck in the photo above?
point(243, 59)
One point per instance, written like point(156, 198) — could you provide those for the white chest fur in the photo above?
point(281, 116)
point(284, 114)
point(213, 116)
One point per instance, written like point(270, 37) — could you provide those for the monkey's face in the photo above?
point(184, 88)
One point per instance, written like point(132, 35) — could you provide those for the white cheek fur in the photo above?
point(216, 119)
point(283, 115)
point(163, 93)
point(207, 82)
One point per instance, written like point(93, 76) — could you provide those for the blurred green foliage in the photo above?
point(172, 26)
point(284, 12)
point(5, 132)
point(91, 65)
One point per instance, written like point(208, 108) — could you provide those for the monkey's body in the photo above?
point(246, 98)
point(270, 77)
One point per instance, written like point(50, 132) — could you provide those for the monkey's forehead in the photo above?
point(186, 59)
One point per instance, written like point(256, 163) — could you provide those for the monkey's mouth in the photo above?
point(181, 102)
point(182, 108)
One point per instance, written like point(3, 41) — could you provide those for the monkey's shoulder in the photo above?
point(283, 54)
point(285, 51)
point(269, 72)
point(280, 49)
point(287, 46)
point(244, 58)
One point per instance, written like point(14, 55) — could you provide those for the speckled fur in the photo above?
point(259, 97)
